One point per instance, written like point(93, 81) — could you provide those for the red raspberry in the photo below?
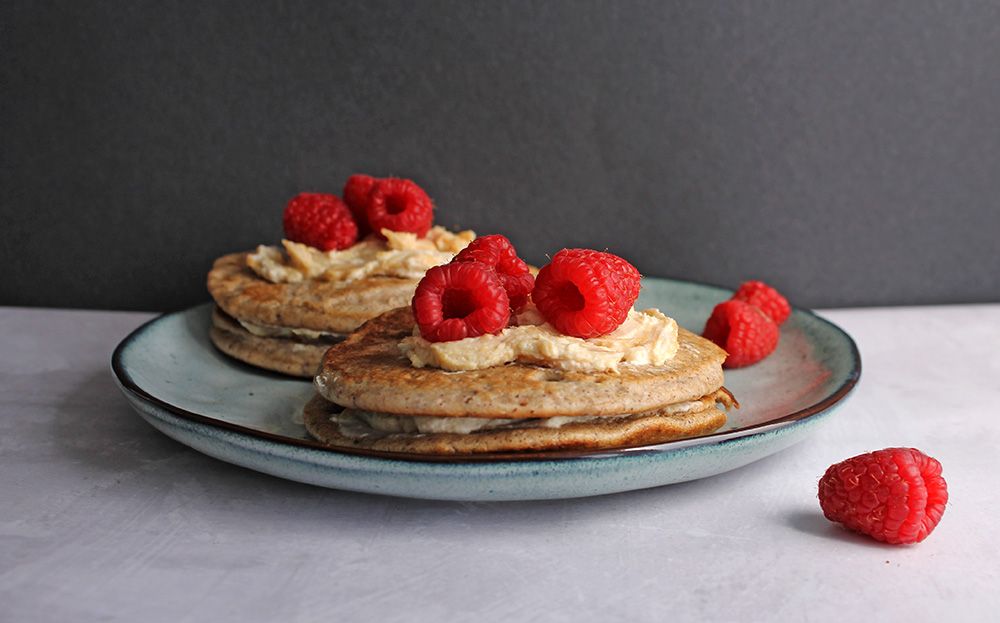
point(765, 298)
point(356, 193)
point(896, 495)
point(321, 221)
point(586, 293)
point(744, 331)
point(497, 252)
point(456, 301)
point(629, 279)
point(399, 205)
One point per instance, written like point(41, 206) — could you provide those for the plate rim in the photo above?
point(125, 381)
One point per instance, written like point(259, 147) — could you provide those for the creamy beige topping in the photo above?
point(401, 254)
point(645, 338)
point(261, 330)
point(356, 423)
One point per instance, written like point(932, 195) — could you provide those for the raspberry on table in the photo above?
point(497, 252)
point(743, 331)
point(456, 301)
point(357, 191)
point(399, 205)
point(586, 293)
point(319, 220)
point(895, 495)
point(766, 298)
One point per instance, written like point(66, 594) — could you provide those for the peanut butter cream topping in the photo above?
point(646, 337)
point(401, 254)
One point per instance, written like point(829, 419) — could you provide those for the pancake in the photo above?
point(333, 308)
point(368, 372)
point(286, 355)
point(326, 422)
point(371, 398)
point(328, 306)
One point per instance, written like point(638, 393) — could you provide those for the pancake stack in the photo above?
point(286, 327)
point(371, 398)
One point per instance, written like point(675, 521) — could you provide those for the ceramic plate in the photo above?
point(178, 382)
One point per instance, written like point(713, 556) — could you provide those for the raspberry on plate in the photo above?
point(586, 293)
point(399, 205)
point(895, 495)
point(460, 300)
point(765, 298)
point(356, 195)
point(743, 330)
point(319, 220)
point(497, 252)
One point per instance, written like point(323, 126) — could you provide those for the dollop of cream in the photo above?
point(646, 337)
point(401, 254)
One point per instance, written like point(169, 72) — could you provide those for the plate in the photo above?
point(179, 383)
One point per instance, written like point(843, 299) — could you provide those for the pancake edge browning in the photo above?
point(278, 354)
point(601, 433)
point(334, 307)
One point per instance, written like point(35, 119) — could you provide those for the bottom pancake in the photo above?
point(278, 354)
point(322, 420)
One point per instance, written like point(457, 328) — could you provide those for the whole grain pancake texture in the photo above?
point(371, 397)
point(280, 309)
point(284, 355)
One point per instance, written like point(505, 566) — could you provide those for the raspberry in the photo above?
point(356, 193)
point(896, 495)
point(586, 293)
point(321, 221)
point(744, 331)
point(629, 279)
point(399, 205)
point(456, 301)
point(765, 298)
point(497, 252)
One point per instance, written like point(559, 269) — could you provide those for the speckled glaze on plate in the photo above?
point(179, 383)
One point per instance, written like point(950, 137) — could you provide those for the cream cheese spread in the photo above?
point(356, 423)
point(646, 337)
point(401, 254)
point(272, 331)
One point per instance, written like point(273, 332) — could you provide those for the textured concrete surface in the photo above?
point(103, 518)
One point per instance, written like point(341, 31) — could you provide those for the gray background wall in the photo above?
point(849, 152)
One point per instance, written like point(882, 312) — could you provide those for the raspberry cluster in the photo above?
point(498, 253)
point(370, 204)
point(746, 325)
point(582, 293)
point(475, 293)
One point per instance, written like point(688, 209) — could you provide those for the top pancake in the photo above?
point(368, 371)
point(334, 307)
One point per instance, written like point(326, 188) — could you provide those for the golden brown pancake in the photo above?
point(286, 355)
point(330, 306)
point(367, 378)
point(324, 421)
point(323, 306)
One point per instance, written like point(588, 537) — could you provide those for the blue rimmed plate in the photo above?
point(179, 383)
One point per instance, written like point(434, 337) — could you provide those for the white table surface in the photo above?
point(103, 518)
